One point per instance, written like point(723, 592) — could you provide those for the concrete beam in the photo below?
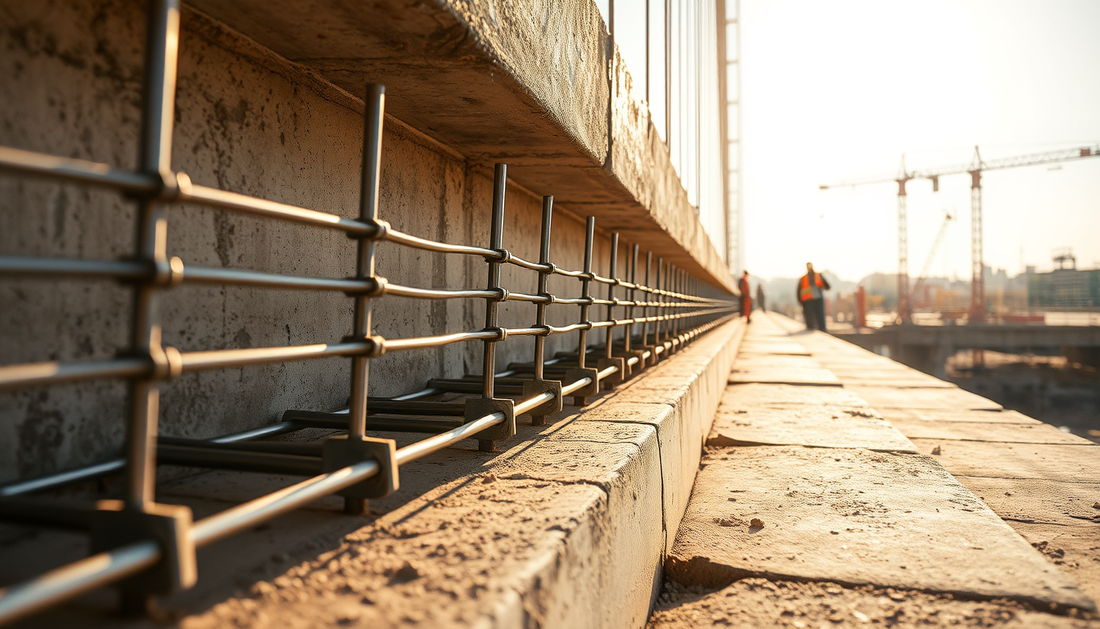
point(537, 85)
point(992, 337)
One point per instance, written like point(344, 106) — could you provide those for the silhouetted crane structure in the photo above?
point(975, 169)
point(932, 253)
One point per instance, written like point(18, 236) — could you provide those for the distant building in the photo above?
point(1064, 288)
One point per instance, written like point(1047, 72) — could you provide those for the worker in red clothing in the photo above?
point(746, 296)
point(811, 294)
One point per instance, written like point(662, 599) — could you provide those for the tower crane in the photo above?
point(932, 253)
point(975, 169)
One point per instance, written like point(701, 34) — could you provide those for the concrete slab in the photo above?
point(897, 383)
point(849, 355)
point(746, 362)
point(757, 394)
point(1074, 549)
point(777, 348)
point(774, 344)
point(986, 431)
point(957, 399)
point(1080, 464)
point(864, 361)
point(952, 415)
point(762, 603)
point(883, 376)
point(779, 375)
point(821, 426)
point(1035, 501)
point(854, 517)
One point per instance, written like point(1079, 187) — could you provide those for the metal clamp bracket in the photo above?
point(532, 388)
point(638, 366)
point(615, 378)
point(113, 526)
point(653, 357)
point(343, 451)
point(476, 408)
point(593, 387)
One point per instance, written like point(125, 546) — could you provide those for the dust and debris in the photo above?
point(756, 602)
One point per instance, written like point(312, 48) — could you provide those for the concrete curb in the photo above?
point(667, 413)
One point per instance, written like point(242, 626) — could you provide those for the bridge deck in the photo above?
point(894, 494)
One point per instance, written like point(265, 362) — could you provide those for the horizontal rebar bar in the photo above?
point(76, 170)
point(272, 209)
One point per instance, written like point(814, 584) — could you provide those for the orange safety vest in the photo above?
point(805, 293)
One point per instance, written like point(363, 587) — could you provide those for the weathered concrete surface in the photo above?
point(845, 515)
point(1039, 501)
point(821, 425)
point(879, 376)
point(854, 517)
point(1070, 463)
point(781, 375)
point(946, 399)
point(1075, 549)
point(786, 396)
point(1039, 479)
point(536, 84)
point(680, 400)
point(773, 348)
point(945, 416)
point(765, 603)
point(766, 361)
point(986, 431)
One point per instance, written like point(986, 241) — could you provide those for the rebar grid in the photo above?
point(354, 465)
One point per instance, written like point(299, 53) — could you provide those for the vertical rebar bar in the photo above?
point(670, 286)
point(613, 274)
point(589, 242)
point(161, 56)
point(648, 298)
point(370, 175)
point(661, 309)
point(544, 276)
point(375, 101)
point(633, 292)
point(586, 282)
point(496, 241)
point(674, 277)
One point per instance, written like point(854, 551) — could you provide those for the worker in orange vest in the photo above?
point(811, 294)
point(746, 296)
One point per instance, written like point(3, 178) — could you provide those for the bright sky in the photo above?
point(835, 91)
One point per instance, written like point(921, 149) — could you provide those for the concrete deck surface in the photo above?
point(817, 504)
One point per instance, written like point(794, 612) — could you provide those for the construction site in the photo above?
point(440, 314)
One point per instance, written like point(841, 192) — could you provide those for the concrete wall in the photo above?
point(246, 121)
point(249, 121)
point(535, 83)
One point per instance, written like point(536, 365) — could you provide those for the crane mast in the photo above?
point(974, 169)
point(932, 254)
